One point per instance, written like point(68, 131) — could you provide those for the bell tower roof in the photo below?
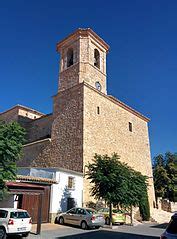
point(82, 32)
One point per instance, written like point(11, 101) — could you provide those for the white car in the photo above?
point(171, 230)
point(14, 222)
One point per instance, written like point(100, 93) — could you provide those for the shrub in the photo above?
point(144, 208)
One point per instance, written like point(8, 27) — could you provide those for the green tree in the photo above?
point(11, 141)
point(171, 169)
point(165, 176)
point(144, 206)
point(161, 179)
point(115, 182)
point(137, 193)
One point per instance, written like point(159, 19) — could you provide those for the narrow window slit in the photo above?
point(98, 110)
point(130, 127)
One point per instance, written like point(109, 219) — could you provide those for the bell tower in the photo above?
point(83, 59)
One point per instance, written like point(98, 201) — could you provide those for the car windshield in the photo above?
point(172, 227)
point(106, 210)
point(116, 211)
point(91, 211)
point(19, 215)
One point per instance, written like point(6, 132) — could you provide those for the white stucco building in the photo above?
point(61, 189)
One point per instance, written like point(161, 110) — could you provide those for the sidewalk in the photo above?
point(45, 227)
point(51, 231)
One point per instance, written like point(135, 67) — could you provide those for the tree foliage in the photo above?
point(144, 207)
point(116, 182)
point(171, 168)
point(11, 141)
point(161, 179)
point(165, 176)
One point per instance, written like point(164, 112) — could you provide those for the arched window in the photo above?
point(69, 57)
point(96, 58)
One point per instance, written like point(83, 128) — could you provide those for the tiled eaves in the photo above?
point(25, 178)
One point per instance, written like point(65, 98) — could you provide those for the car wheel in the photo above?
point(61, 220)
point(84, 225)
point(25, 234)
point(3, 234)
point(56, 220)
point(97, 227)
point(122, 223)
point(107, 221)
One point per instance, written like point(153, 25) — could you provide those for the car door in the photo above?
point(3, 220)
point(80, 216)
point(69, 216)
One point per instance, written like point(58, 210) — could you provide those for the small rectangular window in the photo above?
point(98, 110)
point(130, 127)
point(71, 183)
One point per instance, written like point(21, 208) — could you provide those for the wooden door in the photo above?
point(46, 204)
point(30, 202)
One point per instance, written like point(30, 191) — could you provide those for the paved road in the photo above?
point(102, 234)
point(145, 231)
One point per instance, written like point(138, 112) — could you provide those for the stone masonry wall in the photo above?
point(9, 116)
point(166, 205)
point(18, 112)
point(40, 128)
point(36, 129)
point(93, 45)
point(83, 69)
point(69, 77)
point(108, 132)
point(32, 151)
point(91, 74)
point(66, 149)
point(88, 72)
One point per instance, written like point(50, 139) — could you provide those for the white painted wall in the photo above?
point(60, 192)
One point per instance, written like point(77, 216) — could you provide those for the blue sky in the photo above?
point(141, 65)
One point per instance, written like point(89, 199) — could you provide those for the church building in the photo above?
point(85, 118)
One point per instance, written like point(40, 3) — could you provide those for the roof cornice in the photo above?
point(24, 108)
point(83, 32)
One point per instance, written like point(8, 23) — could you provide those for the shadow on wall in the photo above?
point(67, 201)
